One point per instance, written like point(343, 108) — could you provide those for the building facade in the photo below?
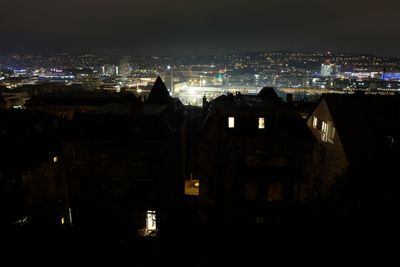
point(253, 158)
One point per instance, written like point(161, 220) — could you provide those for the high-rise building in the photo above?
point(328, 69)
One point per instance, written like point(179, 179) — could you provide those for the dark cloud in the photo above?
point(192, 27)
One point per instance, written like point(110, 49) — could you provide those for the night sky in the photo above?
point(181, 27)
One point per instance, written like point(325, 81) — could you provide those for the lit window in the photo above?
point(192, 187)
point(261, 123)
point(55, 159)
point(324, 131)
point(314, 122)
point(331, 136)
point(151, 221)
point(231, 122)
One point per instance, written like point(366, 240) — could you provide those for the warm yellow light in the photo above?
point(151, 221)
point(231, 122)
point(55, 159)
point(192, 187)
point(261, 123)
point(315, 122)
point(62, 220)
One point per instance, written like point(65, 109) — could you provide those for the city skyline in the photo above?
point(199, 133)
point(179, 28)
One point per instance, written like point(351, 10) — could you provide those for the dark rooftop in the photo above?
point(88, 98)
point(159, 94)
point(364, 122)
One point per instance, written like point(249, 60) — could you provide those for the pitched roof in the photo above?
point(159, 94)
point(268, 93)
point(364, 123)
point(84, 98)
point(116, 121)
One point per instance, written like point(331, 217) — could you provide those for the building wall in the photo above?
point(329, 161)
point(246, 170)
point(127, 175)
point(64, 111)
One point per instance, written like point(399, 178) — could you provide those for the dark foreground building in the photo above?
point(358, 144)
point(33, 185)
point(115, 171)
point(254, 158)
point(128, 165)
point(67, 104)
point(124, 158)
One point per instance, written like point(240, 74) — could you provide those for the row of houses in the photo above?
point(106, 162)
point(116, 163)
point(259, 154)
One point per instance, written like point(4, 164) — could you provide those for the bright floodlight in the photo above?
point(192, 91)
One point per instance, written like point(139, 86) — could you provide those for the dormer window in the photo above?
point(314, 122)
point(324, 131)
point(261, 123)
point(231, 122)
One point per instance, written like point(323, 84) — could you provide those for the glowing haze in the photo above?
point(175, 27)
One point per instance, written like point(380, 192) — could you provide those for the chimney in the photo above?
point(205, 102)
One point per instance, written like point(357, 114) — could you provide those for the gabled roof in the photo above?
point(268, 93)
point(115, 121)
point(364, 122)
point(266, 99)
point(159, 94)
